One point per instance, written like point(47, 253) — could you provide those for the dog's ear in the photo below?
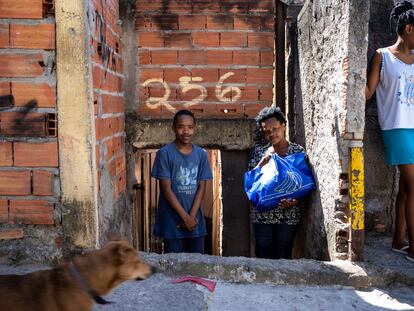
point(113, 236)
point(120, 251)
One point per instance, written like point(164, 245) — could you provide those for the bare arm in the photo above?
point(373, 76)
point(199, 196)
point(165, 185)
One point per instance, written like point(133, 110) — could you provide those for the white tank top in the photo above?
point(395, 93)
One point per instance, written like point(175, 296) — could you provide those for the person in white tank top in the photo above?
point(392, 78)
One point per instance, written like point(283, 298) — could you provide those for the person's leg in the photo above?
point(263, 234)
point(174, 246)
point(194, 245)
point(407, 172)
point(400, 227)
point(284, 236)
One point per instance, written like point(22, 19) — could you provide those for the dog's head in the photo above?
point(129, 265)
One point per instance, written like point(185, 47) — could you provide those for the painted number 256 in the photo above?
point(187, 84)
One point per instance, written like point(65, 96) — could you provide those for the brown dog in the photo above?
point(74, 286)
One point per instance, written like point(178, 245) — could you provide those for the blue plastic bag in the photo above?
point(286, 177)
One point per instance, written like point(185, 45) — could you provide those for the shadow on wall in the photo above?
point(381, 180)
point(311, 239)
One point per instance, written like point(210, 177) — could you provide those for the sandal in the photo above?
point(402, 250)
point(409, 258)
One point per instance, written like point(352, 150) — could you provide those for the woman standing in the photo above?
point(274, 230)
point(392, 78)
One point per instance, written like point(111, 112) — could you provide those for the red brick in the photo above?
point(6, 154)
point(144, 58)
point(208, 74)
point(163, 57)
point(21, 9)
point(41, 36)
point(11, 234)
point(179, 6)
point(239, 75)
point(23, 124)
point(146, 74)
point(249, 93)
point(150, 39)
point(177, 40)
point(251, 110)
point(114, 146)
point(109, 126)
point(220, 22)
point(205, 7)
point(260, 75)
point(251, 58)
point(266, 58)
point(42, 183)
point(190, 22)
point(112, 104)
point(266, 93)
point(158, 91)
point(21, 65)
point(230, 110)
point(206, 39)
point(144, 22)
point(233, 39)
point(36, 154)
point(215, 57)
point(4, 36)
point(145, 6)
point(43, 93)
point(248, 22)
point(31, 212)
point(234, 6)
point(261, 6)
point(5, 88)
point(172, 75)
point(192, 57)
point(4, 211)
point(261, 40)
point(14, 182)
point(165, 22)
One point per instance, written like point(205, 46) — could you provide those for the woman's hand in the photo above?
point(263, 161)
point(286, 203)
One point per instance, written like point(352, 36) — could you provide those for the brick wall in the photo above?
point(109, 105)
point(213, 57)
point(29, 172)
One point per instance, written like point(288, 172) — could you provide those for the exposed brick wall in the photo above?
point(213, 57)
point(28, 143)
point(109, 106)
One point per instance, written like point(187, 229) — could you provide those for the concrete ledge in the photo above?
point(213, 134)
point(278, 272)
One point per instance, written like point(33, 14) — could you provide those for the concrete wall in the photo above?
point(332, 39)
point(381, 180)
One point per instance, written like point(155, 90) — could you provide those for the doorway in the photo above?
point(146, 198)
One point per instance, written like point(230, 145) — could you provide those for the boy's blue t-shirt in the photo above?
point(185, 172)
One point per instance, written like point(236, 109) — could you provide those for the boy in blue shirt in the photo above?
point(182, 169)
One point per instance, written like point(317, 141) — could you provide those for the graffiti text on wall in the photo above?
point(187, 84)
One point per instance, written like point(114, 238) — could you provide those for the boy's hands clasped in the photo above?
point(189, 223)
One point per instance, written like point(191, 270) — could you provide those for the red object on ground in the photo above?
point(211, 285)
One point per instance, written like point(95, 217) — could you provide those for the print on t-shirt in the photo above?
point(187, 179)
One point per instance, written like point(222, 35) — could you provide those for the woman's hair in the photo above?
point(264, 114)
point(403, 14)
point(183, 112)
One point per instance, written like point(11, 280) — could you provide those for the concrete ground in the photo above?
point(385, 281)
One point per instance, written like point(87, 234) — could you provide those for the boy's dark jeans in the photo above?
point(184, 245)
point(274, 241)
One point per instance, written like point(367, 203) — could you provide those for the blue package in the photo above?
point(286, 177)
